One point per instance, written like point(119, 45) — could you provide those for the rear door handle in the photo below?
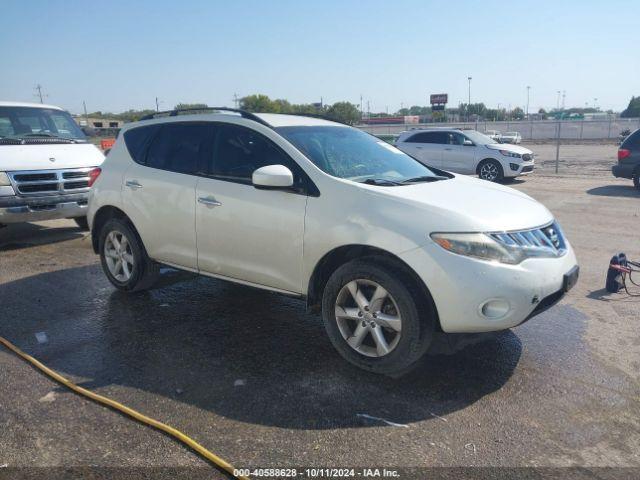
point(209, 201)
point(419, 148)
point(133, 184)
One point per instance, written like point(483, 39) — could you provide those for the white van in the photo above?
point(47, 166)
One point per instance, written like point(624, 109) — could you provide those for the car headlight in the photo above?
point(485, 247)
point(507, 153)
point(4, 180)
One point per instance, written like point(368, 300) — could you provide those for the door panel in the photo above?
point(458, 157)
point(162, 208)
point(254, 235)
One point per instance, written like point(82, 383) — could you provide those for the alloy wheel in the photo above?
point(119, 256)
point(489, 171)
point(368, 318)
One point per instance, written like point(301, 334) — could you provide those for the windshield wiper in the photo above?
point(424, 178)
point(382, 182)
point(48, 135)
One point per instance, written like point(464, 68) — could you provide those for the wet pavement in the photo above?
point(252, 376)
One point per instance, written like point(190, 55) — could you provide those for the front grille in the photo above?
point(528, 168)
point(35, 177)
point(526, 157)
point(50, 182)
point(549, 237)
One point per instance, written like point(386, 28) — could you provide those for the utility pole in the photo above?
point(527, 112)
point(236, 100)
point(40, 95)
point(157, 105)
point(558, 101)
point(469, 104)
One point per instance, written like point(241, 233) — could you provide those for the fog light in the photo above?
point(495, 309)
point(514, 166)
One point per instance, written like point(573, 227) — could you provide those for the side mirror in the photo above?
point(272, 176)
point(468, 143)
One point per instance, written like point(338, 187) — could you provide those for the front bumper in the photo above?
point(623, 170)
point(524, 168)
point(17, 209)
point(461, 286)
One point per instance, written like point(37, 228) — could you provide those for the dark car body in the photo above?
point(628, 165)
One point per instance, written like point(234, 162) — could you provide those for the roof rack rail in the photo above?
point(316, 115)
point(176, 112)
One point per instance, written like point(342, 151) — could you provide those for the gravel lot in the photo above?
point(253, 377)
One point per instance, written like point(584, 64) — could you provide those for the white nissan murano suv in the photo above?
point(389, 249)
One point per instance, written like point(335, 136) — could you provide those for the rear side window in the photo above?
point(632, 141)
point(137, 140)
point(429, 137)
point(179, 147)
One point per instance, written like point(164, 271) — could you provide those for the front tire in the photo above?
point(124, 258)
point(490, 170)
point(376, 318)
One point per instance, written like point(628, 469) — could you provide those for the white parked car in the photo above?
point(389, 249)
point(493, 135)
point(467, 152)
point(514, 138)
point(46, 165)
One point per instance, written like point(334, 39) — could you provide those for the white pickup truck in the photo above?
point(47, 166)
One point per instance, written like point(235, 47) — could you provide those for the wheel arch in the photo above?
point(337, 257)
point(102, 216)
point(484, 160)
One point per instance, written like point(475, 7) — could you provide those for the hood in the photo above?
point(464, 204)
point(37, 157)
point(509, 148)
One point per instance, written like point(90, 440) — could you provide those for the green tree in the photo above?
point(187, 106)
point(633, 110)
point(259, 103)
point(517, 113)
point(344, 112)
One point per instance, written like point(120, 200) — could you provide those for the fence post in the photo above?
point(530, 129)
point(581, 127)
point(558, 144)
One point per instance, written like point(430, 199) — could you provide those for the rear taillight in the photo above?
point(623, 153)
point(93, 175)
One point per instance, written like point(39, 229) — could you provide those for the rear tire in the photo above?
point(83, 223)
point(389, 328)
point(490, 170)
point(124, 259)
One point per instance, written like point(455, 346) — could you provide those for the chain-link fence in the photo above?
point(529, 130)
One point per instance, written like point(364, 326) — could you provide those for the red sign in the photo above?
point(439, 98)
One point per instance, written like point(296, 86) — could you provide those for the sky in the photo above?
point(116, 55)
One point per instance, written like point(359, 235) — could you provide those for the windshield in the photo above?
point(478, 138)
point(354, 155)
point(33, 122)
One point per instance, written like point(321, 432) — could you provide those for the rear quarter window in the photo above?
point(137, 141)
point(632, 141)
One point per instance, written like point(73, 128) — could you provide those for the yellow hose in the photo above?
point(181, 437)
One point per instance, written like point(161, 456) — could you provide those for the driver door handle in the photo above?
point(133, 184)
point(209, 201)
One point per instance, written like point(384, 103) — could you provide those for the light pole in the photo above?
point(558, 101)
point(527, 112)
point(469, 104)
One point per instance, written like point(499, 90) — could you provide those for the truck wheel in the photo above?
point(375, 317)
point(82, 222)
point(124, 258)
